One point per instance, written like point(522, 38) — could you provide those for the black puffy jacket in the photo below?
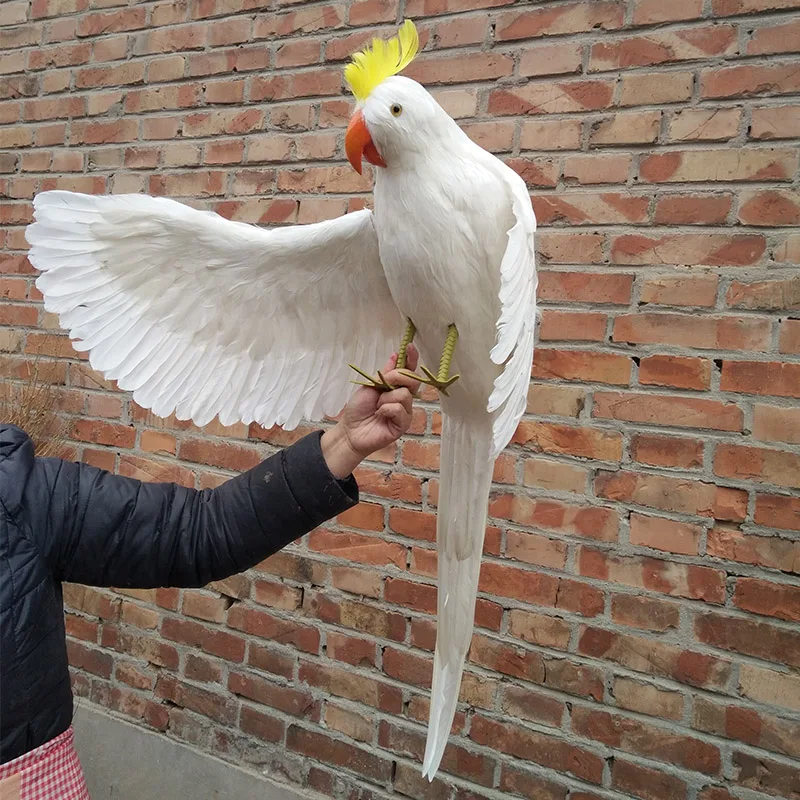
point(61, 521)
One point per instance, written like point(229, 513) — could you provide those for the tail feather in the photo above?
point(466, 476)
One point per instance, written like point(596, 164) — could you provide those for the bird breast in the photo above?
point(442, 235)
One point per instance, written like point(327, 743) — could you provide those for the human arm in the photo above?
point(108, 530)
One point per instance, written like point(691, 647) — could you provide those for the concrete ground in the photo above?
point(124, 762)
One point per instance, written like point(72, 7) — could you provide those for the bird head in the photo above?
point(394, 116)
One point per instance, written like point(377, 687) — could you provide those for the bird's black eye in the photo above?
point(396, 109)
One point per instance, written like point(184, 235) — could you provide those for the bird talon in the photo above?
point(440, 384)
point(381, 384)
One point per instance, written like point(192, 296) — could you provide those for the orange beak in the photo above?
point(358, 144)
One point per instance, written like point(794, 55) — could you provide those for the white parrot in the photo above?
point(201, 316)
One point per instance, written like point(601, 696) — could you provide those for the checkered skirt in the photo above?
point(50, 772)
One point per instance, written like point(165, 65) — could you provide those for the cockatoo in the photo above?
point(205, 317)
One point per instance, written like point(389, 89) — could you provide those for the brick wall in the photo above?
point(637, 630)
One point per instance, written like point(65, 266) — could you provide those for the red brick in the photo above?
point(768, 599)
point(219, 454)
point(558, 247)
point(655, 658)
point(651, 12)
point(747, 636)
point(712, 125)
point(188, 184)
point(581, 287)
point(284, 698)
point(772, 207)
point(356, 615)
point(642, 738)
point(778, 511)
point(350, 649)
point(789, 336)
point(646, 783)
point(726, 8)
point(582, 366)
point(693, 209)
point(596, 522)
point(679, 580)
point(765, 551)
point(351, 685)
point(670, 290)
point(675, 371)
point(668, 410)
point(688, 330)
point(775, 122)
point(647, 613)
point(551, 98)
point(663, 47)
point(749, 80)
point(695, 249)
point(761, 377)
point(655, 88)
point(266, 626)
point(507, 581)
point(536, 172)
point(552, 134)
point(759, 464)
point(100, 23)
point(357, 547)
point(597, 168)
point(571, 18)
point(277, 595)
point(540, 748)
point(594, 209)
point(539, 629)
point(720, 165)
point(556, 475)
point(263, 726)
point(663, 534)
point(779, 38)
point(351, 724)
point(534, 787)
point(120, 75)
point(667, 451)
point(771, 295)
point(572, 326)
point(774, 777)
point(672, 494)
point(647, 699)
point(368, 12)
point(776, 424)
point(303, 20)
point(560, 59)
point(565, 439)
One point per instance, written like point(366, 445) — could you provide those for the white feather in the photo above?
point(188, 310)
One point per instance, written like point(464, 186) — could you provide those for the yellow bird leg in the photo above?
point(442, 380)
point(408, 337)
point(380, 383)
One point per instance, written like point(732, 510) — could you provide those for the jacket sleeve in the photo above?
point(102, 529)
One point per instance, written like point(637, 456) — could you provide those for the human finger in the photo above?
point(401, 395)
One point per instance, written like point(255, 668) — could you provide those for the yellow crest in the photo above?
point(374, 64)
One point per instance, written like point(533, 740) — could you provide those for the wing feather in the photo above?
point(516, 324)
point(206, 317)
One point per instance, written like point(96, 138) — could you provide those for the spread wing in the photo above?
point(202, 316)
point(516, 324)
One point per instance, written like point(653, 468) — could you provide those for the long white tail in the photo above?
point(466, 476)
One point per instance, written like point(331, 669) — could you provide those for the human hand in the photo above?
point(372, 419)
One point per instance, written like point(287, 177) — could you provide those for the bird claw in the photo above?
point(432, 380)
point(381, 384)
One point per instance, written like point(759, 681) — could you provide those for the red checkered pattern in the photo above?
point(50, 772)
